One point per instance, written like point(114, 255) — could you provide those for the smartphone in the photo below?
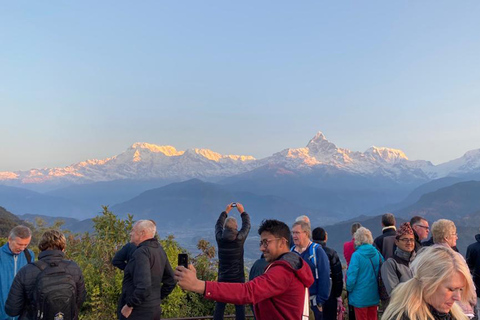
point(183, 260)
point(234, 204)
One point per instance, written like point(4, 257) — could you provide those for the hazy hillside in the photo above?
point(197, 203)
point(94, 195)
point(454, 202)
point(23, 201)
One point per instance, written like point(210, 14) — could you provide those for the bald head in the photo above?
point(142, 230)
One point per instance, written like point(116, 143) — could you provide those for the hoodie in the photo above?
point(362, 273)
point(278, 294)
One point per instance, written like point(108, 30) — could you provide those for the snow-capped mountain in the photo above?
point(320, 152)
point(144, 161)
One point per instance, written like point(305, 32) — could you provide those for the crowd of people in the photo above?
point(399, 275)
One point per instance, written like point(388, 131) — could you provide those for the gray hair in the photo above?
point(303, 218)
point(20, 231)
point(305, 227)
point(231, 223)
point(148, 226)
point(362, 236)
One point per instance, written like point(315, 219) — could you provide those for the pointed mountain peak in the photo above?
point(320, 144)
point(318, 138)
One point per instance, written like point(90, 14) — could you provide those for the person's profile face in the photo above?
point(447, 293)
point(422, 229)
point(451, 238)
point(18, 244)
point(135, 236)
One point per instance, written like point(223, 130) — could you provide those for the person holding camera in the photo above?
point(230, 243)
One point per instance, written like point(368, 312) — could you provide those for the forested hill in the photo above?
point(7, 221)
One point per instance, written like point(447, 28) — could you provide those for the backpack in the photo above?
point(312, 256)
point(55, 293)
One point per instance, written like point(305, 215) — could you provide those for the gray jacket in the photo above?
point(397, 269)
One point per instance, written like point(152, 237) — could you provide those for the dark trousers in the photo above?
point(220, 310)
point(330, 309)
point(317, 313)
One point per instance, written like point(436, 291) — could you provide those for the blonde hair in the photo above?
point(441, 229)
point(431, 268)
point(362, 236)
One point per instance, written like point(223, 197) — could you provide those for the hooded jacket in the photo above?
point(362, 274)
point(20, 299)
point(10, 265)
point(277, 294)
point(473, 261)
point(230, 249)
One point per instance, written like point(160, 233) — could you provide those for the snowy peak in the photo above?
point(386, 154)
point(319, 144)
point(169, 151)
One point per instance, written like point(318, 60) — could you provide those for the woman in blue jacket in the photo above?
point(362, 275)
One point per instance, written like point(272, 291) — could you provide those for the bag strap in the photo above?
point(373, 267)
point(27, 255)
point(306, 305)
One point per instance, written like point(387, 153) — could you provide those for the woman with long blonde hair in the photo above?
point(440, 278)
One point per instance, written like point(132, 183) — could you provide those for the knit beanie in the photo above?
point(404, 229)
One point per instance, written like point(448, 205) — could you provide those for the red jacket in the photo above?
point(348, 250)
point(277, 294)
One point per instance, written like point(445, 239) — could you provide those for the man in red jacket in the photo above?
point(279, 293)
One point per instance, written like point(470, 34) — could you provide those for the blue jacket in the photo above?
point(10, 264)
point(362, 273)
point(321, 287)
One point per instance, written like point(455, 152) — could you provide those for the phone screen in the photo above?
point(183, 259)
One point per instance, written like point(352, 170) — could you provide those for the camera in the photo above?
point(234, 204)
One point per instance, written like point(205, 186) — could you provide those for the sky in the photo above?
point(87, 79)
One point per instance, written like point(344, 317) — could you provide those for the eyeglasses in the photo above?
point(296, 233)
point(455, 234)
point(424, 227)
point(265, 242)
point(407, 240)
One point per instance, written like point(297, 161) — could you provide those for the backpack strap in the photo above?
point(313, 257)
point(42, 265)
point(27, 255)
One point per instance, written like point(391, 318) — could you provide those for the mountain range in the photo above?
point(144, 161)
point(320, 179)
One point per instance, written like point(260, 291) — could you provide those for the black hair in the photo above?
point(416, 219)
point(277, 228)
point(319, 234)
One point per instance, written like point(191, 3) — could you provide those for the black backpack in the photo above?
point(55, 295)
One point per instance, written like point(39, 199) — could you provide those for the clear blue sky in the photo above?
point(86, 79)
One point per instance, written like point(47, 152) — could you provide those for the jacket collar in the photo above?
point(6, 249)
